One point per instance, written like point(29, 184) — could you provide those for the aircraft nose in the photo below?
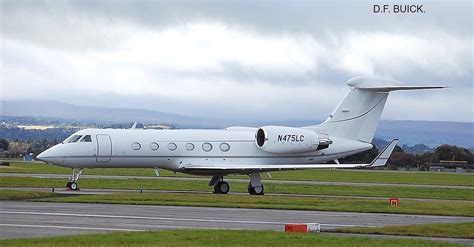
point(49, 156)
point(41, 156)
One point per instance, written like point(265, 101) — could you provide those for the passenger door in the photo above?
point(104, 148)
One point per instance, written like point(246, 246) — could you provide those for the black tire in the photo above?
point(258, 190)
point(250, 189)
point(221, 187)
point(68, 185)
point(73, 186)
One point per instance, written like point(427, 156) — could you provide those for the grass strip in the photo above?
point(14, 195)
point(215, 238)
point(357, 176)
point(159, 184)
point(245, 201)
point(448, 230)
point(275, 202)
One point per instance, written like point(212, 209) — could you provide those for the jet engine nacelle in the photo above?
point(280, 140)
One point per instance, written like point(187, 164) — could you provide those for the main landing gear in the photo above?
point(72, 184)
point(255, 186)
point(220, 186)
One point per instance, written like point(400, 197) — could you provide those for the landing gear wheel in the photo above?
point(221, 187)
point(257, 190)
point(73, 186)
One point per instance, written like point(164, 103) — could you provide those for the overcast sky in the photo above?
point(236, 59)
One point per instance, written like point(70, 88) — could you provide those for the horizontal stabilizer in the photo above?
point(384, 84)
point(394, 88)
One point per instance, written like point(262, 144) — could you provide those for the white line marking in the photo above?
point(337, 225)
point(159, 218)
point(138, 217)
point(75, 227)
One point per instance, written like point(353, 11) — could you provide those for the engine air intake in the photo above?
point(260, 137)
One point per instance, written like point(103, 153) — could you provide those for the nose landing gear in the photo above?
point(72, 184)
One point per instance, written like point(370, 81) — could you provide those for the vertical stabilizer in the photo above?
point(358, 114)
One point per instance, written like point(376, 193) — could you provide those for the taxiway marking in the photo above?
point(74, 227)
point(160, 218)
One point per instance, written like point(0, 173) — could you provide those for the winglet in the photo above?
point(383, 156)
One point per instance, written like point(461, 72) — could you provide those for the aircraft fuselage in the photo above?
point(169, 149)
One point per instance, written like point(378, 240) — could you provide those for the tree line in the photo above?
point(400, 158)
point(17, 149)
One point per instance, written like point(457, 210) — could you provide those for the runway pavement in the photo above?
point(28, 219)
point(65, 176)
point(89, 191)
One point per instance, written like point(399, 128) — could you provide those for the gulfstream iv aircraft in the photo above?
point(348, 130)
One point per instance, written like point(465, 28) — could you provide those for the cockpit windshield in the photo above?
point(73, 138)
point(86, 138)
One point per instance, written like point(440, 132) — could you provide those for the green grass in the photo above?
point(215, 238)
point(245, 201)
point(449, 230)
point(158, 184)
point(24, 195)
point(395, 177)
point(275, 202)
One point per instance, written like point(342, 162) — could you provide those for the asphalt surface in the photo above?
point(29, 219)
point(89, 191)
point(65, 176)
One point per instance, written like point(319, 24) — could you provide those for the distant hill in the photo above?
point(90, 114)
point(431, 133)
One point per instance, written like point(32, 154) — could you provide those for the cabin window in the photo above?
point(154, 146)
point(86, 138)
point(172, 146)
point(207, 146)
point(73, 138)
point(136, 146)
point(189, 146)
point(224, 147)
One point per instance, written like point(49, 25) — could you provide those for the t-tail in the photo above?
point(358, 114)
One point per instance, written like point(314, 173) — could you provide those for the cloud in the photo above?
point(210, 46)
point(209, 64)
point(394, 54)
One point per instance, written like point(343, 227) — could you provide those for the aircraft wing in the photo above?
point(380, 160)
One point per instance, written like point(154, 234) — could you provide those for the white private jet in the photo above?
point(238, 150)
